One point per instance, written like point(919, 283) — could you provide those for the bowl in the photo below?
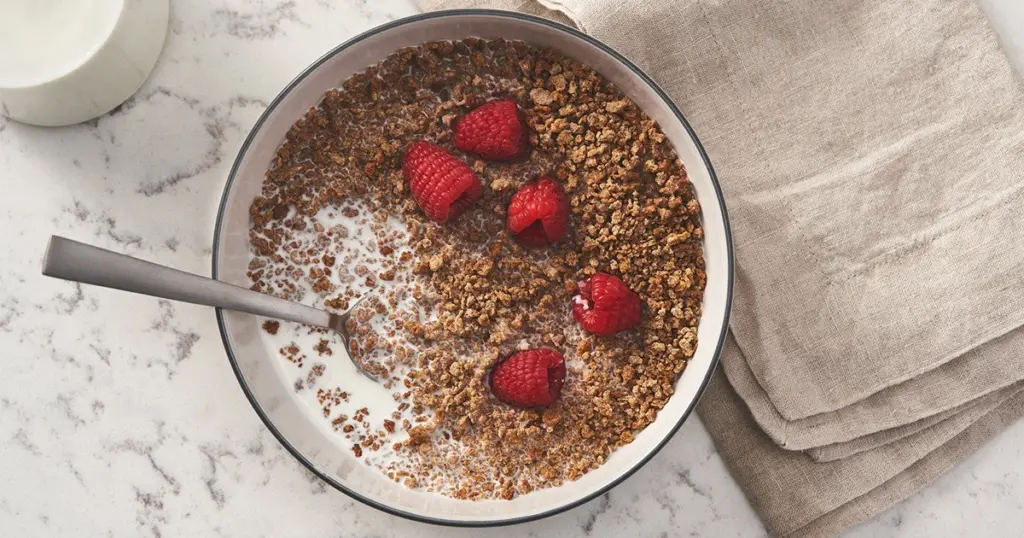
point(292, 421)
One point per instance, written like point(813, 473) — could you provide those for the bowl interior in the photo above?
point(296, 424)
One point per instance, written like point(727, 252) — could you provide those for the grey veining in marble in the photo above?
point(119, 415)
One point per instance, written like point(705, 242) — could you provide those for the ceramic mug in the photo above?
point(68, 61)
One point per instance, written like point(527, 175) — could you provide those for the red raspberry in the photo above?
point(442, 185)
point(531, 378)
point(605, 306)
point(494, 130)
point(538, 214)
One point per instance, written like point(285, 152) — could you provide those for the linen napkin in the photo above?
point(962, 415)
point(873, 168)
point(796, 497)
point(894, 412)
point(871, 156)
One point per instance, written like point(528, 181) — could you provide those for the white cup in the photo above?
point(69, 61)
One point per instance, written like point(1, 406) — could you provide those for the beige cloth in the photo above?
point(797, 497)
point(872, 157)
point(896, 411)
point(964, 414)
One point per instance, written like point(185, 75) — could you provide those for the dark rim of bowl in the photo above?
point(639, 73)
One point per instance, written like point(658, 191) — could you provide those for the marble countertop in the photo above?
point(119, 414)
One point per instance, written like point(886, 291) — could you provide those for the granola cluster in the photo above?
point(457, 297)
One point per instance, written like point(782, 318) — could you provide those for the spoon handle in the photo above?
point(71, 260)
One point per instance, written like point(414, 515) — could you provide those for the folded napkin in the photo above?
point(963, 414)
point(894, 412)
point(796, 497)
point(872, 157)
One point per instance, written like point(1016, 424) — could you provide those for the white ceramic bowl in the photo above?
point(290, 420)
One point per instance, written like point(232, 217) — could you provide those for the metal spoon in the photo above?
point(71, 260)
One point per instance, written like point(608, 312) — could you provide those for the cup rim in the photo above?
point(646, 79)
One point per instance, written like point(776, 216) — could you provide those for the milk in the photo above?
point(44, 39)
point(360, 247)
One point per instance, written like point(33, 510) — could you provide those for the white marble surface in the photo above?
point(119, 415)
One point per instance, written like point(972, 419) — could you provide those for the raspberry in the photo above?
point(605, 306)
point(494, 130)
point(442, 185)
point(531, 378)
point(538, 214)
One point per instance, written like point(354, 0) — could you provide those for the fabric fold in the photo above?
point(964, 415)
point(798, 497)
point(926, 399)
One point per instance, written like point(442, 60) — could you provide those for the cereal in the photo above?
point(450, 300)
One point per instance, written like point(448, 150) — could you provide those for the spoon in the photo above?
point(79, 262)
